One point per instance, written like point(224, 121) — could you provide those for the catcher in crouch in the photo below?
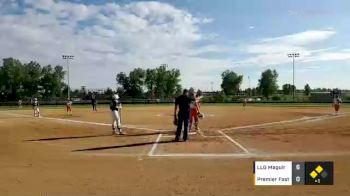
point(115, 107)
point(195, 113)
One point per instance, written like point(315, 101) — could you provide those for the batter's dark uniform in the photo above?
point(93, 102)
point(183, 116)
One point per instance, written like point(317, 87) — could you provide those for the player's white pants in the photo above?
point(36, 111)
point(115, 119)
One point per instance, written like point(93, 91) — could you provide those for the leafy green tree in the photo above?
point(288, 89)
point(109, 92)
point(160, 82)
point(124, 81)
point(150, 81)
point(268, 82)
point(19, 80)
point(51, 81)
point(307, 89)
point(136, 79)
point(172, 82)
point(132, 85)
point(178, 90)
point(32, 78)
point(12, 77)
point(231, 82)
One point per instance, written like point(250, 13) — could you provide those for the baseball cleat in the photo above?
point(121, 132)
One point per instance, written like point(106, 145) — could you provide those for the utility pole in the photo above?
point(250, 90)
point(293, 55)
point(68, 57)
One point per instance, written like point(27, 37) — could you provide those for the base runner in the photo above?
point(35, 107)
point(69, 108)
point(116, 107)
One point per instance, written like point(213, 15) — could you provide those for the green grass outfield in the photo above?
point(346, 105)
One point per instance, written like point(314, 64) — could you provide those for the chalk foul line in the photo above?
point(91, 123)
point(154, 146)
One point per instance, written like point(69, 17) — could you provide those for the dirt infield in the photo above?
point(78, 155)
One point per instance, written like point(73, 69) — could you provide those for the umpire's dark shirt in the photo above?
point(184, 105)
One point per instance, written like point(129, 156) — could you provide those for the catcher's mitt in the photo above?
point(200, 115)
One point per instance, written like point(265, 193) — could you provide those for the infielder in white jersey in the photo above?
point(115, 107)
point(35, 106)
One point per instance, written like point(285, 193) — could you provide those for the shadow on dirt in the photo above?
point(122, 146)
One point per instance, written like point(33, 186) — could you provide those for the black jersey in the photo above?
point(114, 105)
point(35, 103)
point(184, 104)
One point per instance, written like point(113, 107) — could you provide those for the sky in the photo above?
point(202, 38)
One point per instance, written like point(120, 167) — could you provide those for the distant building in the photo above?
point(211, 93)
point(97, 90)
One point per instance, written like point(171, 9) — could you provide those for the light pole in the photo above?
point(293, 55)
point(250, 90)
point(68, 57)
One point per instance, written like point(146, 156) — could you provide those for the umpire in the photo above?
point(182, 118)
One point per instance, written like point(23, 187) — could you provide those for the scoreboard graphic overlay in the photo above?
point(292, 173)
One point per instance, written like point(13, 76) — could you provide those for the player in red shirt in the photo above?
point(336, 103)
point(195, 108)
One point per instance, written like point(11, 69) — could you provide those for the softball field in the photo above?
point(78, 155)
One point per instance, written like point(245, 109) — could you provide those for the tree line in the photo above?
point(25, 80)
point(160, 82)
point(267, 85)
point(18, 80)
